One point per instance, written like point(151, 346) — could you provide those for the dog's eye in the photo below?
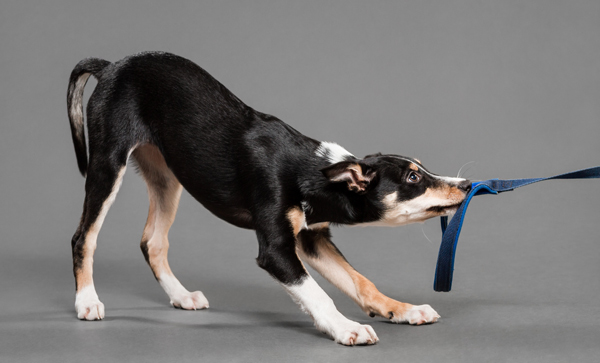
point(413, 177)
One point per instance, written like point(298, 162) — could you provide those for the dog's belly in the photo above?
point(239, 217)
point(220, 197)
point(219, 192)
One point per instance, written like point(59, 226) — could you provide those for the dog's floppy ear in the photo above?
point(350, 172)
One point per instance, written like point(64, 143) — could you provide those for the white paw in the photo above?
point(88, 306)
point(353, 333)
point(190, 301)
point(421, 314)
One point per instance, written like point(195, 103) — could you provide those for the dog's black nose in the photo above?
point(464, 186)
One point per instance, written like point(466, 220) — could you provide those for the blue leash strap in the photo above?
point(451, 231)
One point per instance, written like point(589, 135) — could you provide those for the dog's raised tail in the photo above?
point(77, 81)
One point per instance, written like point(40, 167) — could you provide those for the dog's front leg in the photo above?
point(316, 248)
point(277, 255)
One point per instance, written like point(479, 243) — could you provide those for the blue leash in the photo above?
point(445, 263)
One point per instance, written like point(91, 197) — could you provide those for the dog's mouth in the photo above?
point(446, 209)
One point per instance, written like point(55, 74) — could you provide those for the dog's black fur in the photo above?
point(248, 168)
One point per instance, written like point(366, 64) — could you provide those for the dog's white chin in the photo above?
point(450, 211)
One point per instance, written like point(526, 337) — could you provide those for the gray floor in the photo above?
point(519, 296)
point(512, 86)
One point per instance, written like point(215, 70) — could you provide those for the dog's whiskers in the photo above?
point(423, 230)
point(461, 168)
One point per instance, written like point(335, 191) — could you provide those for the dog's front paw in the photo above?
point(353, 333)
point(190, 301)
point(358, 335)
point(417, 315)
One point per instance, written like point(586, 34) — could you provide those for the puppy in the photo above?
point(184, 129)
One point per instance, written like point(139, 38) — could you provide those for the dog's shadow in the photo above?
point(140, 300)
point(234, 305)
point(205, 320)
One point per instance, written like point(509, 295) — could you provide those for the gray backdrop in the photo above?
point(512, 86)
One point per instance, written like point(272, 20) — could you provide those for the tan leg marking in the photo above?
point(164, 191)
point(87, 303)
point(317, 226)
point(84, 276)
point(297, 219)
point(334, 268)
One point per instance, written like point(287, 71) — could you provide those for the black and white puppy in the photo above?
point(184, 129)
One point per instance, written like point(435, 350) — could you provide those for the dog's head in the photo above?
point(398, 190)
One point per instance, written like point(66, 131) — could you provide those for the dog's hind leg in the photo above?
point(164, 191)
point(315, 247)
point(103, 181)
